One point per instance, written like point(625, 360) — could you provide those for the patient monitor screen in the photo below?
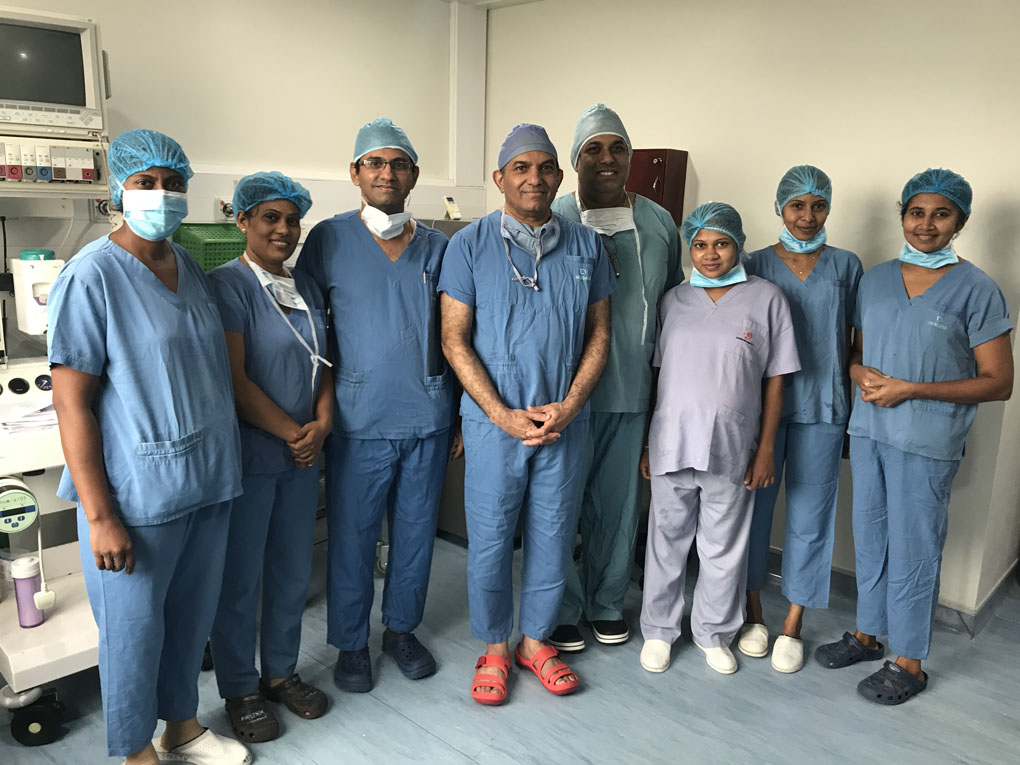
point(44, 65)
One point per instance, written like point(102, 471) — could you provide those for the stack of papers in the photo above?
point(27, 419)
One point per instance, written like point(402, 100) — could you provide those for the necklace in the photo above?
point(803, 271)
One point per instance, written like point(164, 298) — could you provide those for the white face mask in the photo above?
point(280, 287)
point(382, 225)
point(609, 220)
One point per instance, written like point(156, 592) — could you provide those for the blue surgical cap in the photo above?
point(262, 187)
point(524, 138)
point(939, 181)
point(597, 119)
point(802, 179)
point(136, 150)
point(715, 216)
point(382, 134)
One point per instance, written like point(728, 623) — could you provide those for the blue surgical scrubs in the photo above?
point(904, 457)
point(272, 523)
point(171, 452)
point(530, 343)
point(809, 440)
point(647, 261)
point(391, 425)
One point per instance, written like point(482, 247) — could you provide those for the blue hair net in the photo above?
point(597, 119)
point(939, 181)
point(136, 150)
point(802, 179)
point(382, 134)
point(524, 138)
point(715, 216)
point(261, 187)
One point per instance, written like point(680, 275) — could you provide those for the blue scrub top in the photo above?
point(273, 358)
point(529, 341)
point(626, 382)
point(392, 380)
point(822, 308)
point(164, 405)
point(928, 339)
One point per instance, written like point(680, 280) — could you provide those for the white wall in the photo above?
point(871, 91)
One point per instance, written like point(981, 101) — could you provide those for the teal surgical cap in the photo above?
point(383, 134)
point(262, 187)
point(522, 139)
point(802, 179)
point(939, 181)
point(715, 216)
point(597, 119)
point(136, 150)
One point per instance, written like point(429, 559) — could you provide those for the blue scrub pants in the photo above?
point(153, 624)
point(901, 514)
point(503, 478)
point(364, 479)
point(610, 497)
point(269, 547)
point(685, 504)
point(811, 455)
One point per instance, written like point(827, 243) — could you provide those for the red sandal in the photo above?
point(535, 664)
point(484, 680)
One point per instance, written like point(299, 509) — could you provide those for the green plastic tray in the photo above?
point(211, 244)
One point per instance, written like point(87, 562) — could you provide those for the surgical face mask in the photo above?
point(153, 214)
point(609, 220)
point(535, 241)
point(937, 259)
point(735, 275)
point(382, 225)
point(793, 244)
point(282, 288)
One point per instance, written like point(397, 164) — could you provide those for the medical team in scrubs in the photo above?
point(275, 324)
point(820, 282)
point(393, 434)
point(525, 319)
point(932, 344)
point(141, 387)
point(725, 342)
point(643, 245)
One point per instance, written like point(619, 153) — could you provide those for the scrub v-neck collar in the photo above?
point(793, 274)
point(909, 301)
point(157, 284)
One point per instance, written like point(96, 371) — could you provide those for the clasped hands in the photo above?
point(536, 425)
point(878, 388)
point(306, 444)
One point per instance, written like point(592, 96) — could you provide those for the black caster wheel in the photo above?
point(38, 723)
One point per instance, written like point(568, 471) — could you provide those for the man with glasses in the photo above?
point(391, 440)
point(525, 313)
point(644, 249)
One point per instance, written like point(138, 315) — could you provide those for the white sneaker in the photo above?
point(754, 640)
point(207, 749)
point(655, 655)
point(787, 654)
point(720, 658)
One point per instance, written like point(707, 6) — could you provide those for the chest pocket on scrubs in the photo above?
point(746, 341)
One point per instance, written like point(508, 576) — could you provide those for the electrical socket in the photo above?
point(99, 210)
point(224, 211)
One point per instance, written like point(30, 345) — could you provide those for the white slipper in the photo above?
point(720, 658)
point(207, 749)
point(787, 654)
point(754, 640)
point(655, 655)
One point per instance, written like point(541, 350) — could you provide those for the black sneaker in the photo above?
point(567, 638)
point(610, 632)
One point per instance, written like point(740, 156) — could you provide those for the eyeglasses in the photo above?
point(610, 245)
point(399, 165)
